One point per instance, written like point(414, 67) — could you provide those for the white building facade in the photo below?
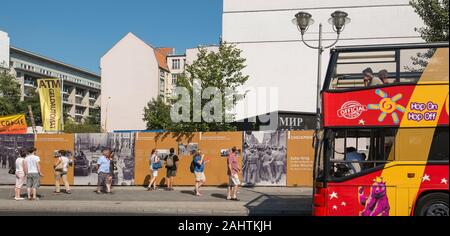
point(277, 58)
point(134, 73)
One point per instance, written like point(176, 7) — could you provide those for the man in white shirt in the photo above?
point(33, 173)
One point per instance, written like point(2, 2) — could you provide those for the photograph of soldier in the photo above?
point(88, 149)
point(9, 151)
point(264, 159)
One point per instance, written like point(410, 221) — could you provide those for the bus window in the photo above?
point(354, 151)
point(439, 147)
point(423, 144)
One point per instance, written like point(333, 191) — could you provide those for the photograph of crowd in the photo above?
point(88, 149)
point(264, 159)
point(187, 149)
point(9, 151)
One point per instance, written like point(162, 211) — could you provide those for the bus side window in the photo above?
point(355, 151)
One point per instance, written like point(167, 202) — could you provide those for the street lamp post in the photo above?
point(303, 20)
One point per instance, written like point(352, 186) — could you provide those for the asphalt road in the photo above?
point(135, 201)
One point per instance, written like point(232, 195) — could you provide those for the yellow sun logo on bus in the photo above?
point(388, 106)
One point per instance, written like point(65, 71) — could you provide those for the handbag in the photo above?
point(59, 167)
point(12, 171)
point(157, 165)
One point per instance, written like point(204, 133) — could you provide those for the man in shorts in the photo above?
point(171, 166)
point(33, 172)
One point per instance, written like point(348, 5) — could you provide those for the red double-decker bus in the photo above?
point(383, 147)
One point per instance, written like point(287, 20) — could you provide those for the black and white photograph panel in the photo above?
point(264, 158)
point(88, 148)
point(9, 151)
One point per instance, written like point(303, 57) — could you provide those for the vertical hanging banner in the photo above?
point(16, 124)
point(50, 96)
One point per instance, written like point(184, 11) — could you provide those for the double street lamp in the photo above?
point(303, 20)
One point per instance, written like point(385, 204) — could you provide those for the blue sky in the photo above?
point(79, 32)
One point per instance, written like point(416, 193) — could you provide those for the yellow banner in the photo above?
point(50, 96)
point(16, 124)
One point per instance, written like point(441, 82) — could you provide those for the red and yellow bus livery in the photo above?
point(383, 147)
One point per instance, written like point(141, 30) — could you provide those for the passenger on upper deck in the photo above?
point(384, 76)
point(369, 80)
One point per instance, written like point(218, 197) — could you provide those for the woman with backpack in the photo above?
point(155, 165)
point(171, 166)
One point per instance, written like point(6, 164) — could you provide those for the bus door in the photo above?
point(356, 185)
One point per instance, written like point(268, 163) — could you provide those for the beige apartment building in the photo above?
point(81, 88)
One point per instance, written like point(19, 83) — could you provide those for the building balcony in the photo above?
point(29, 85)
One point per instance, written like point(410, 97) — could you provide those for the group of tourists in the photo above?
point(28, 171)
point(197, 168)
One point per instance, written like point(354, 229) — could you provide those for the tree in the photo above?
point(221, 70)
point(94, 117)
point(157, 115)
point(71, 127)
point(434, 13)
point(9, 94)
point(33, 101)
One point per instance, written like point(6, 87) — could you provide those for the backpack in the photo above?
point(192, 167)
point(169, 161)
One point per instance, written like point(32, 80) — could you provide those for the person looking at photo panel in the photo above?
point(171, 166)
point(21, 169)
point(155, 165)
point(103, 167)
point(233, 175)
point(61, 168)
point(199, 163)
point(33, 173)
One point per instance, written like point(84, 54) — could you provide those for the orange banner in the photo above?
point(16, 124)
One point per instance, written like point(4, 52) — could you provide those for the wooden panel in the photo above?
point(300, 158)
point(46, 145)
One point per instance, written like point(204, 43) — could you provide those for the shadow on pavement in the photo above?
point(218, 195)
point(280, 205)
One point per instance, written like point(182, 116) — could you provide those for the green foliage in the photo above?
point(33, 101)
point(9, 95)
point(221, 69)
point(157, 115)
point(94, 117)
point(434, 13)
point(71, 127)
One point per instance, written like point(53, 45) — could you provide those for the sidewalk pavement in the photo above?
point(259, 201)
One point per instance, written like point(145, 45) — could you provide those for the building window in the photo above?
point(176, 64)
point(174, 79)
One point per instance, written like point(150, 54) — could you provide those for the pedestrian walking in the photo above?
point(155, 165)
point(61, 168)
point(21, 169)
point(233, 175)
point(171, 166)
point(199, 171)
point(103, 167)
point(33, 173)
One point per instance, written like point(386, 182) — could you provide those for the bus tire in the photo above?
point(433, 204)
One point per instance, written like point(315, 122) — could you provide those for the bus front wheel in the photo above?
point(433, 204)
